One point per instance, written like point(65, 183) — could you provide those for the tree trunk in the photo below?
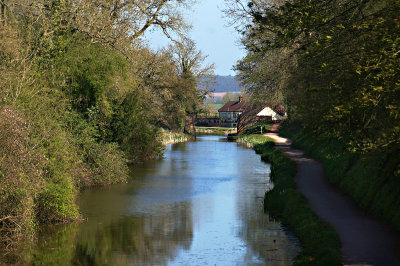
point(190, 124)
point(3, 20)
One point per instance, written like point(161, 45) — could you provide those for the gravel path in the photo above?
point(365, 240)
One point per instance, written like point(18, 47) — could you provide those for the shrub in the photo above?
point(56, 203)
point(20, 177)
point(136, 136)
point(108, 164)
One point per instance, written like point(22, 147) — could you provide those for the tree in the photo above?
point(334, 62)
point(118, 24)
point(190, 62)
point(263, 73)
point(80, 94)
point(229, 96)
point(3, 13)
point(209, 109)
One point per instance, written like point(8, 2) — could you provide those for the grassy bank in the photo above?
point(320, 243)
point(215, 130)
point(169, 137)
point(371, 179)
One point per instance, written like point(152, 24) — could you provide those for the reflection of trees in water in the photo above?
point(178, 147)
point(265, 236)
point(137, 240)
point(54, 246)
point(142, 240)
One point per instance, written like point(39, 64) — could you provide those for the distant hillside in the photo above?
point(225, 83)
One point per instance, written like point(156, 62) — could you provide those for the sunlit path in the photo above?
point(365, 240)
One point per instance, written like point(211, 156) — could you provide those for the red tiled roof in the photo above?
point(233, 106)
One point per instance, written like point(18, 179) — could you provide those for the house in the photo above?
point(268, 112)
point(231, 110)
point(251, 116)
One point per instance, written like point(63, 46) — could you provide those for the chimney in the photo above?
point(240, 99)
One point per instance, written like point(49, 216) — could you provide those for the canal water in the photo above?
point(202, 204)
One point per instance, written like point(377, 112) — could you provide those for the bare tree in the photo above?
point(190, 61)
point(3, 21)
point(240, 12)
point(118, 23)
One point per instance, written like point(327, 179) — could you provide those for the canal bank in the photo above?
point(219, 131)
point(169, 137)
point(320, 243)
point(364, 239)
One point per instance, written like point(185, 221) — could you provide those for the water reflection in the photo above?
point(200, 205)
point(265, 236)
point(145, 240)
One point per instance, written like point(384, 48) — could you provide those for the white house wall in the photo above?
point(269, 112)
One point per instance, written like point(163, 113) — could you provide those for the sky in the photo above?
point(211, 34)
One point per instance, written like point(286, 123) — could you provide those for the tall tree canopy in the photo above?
point(336, 63)
point(81, 95)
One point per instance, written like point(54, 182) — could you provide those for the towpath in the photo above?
point(365, 240)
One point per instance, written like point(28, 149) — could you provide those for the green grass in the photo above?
point(218, 105)
point(255, 139)
point(371, 179)
point(256, 129)
point(320, 243)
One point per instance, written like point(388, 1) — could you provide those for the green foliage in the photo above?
point(321, 244)
point(20, 177)
point(56, 203)
point(80, 97)
point(228, 96)
point(372, 179)
point(89, 70)
point(256, 129)
point(336, 64)
point(135, 136)
point(254, 139)
point(334, 154)
point(107, 162)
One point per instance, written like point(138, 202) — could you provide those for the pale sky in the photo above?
point(211, 35)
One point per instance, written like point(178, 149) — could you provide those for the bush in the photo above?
point(108, 164)
point(140, 140)
point(20, 177)
point(56, 203)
